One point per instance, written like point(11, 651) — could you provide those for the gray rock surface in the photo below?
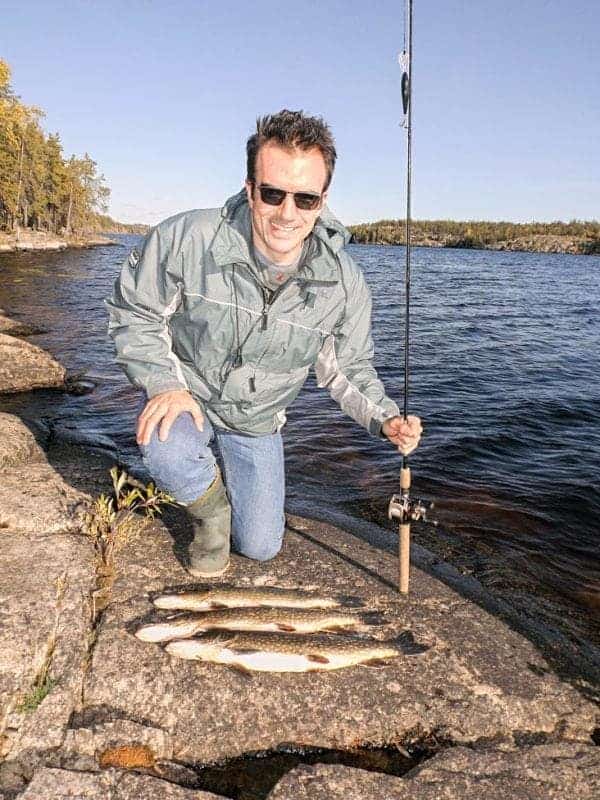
point(46, 624)
point(58, 784)
point(39, 240)
point(114, 701)
point(31, 241)
point(329, 782)
point(35, 499)
point(17, 443)
point(547, 772)
point(13, 327)
point(465, 688)
point(23, 366)
point(48, 574)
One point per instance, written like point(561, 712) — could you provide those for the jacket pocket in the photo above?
point(295, 345)
point(251, 385)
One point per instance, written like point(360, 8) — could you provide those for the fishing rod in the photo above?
point(401, 506)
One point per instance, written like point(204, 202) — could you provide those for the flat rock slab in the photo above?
point(17, 443)
point(13, 327)
point(478, 681)
point(60, 784)
point(35, 499)
point(547, 772)
point(45, 627)
point(23, 366)
point(327, 782)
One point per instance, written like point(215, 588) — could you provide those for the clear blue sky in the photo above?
point(163, 95)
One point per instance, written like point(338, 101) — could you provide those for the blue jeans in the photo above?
point(253, 471)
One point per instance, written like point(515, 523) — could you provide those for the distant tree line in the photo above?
point(106, 224)
point(40, 188)
point(446, 233)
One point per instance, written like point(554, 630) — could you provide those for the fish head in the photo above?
point(183, 600)
point(149, 633)
point(184, 648)
point(202, 648)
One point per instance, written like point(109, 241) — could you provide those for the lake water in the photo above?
point(505, 373)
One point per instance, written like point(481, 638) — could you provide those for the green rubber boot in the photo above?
point(211, 521)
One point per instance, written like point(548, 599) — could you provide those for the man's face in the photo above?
point(279, 231)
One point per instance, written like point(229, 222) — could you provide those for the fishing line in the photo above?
point(405, 60)
point(401, 507)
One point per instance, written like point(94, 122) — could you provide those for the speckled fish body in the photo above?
point(299, 620)
point(239, 597)
point(279, 652)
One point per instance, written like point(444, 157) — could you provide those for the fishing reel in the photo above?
point(405, 510)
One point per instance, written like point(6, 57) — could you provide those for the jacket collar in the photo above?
point(231, 243)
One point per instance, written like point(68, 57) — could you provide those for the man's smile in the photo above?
point(279, 226)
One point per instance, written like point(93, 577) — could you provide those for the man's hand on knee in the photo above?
point(164, 409)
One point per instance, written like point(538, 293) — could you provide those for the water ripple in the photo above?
point(504, 372)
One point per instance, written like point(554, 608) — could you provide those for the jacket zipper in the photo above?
point(265, 309)
point(269, 296)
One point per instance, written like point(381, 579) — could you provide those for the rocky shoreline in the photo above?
point(23, 366)
point(39, 240)
point(539, 243)
point(88, 710)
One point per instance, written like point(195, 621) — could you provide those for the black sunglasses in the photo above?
point(306, 201)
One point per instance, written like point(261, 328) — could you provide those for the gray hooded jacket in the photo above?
point(191, 312)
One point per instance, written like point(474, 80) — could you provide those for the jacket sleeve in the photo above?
point(345, 363)
point(146, 293)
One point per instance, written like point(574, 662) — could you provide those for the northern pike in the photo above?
point(242, 596)
point(291, 652)
point(299, 620)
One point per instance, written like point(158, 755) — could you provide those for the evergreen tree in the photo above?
point(38, 187)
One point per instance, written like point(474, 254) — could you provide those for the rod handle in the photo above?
point(404, 557)
point(405, 478)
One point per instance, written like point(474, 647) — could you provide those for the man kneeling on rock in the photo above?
point(220, 318)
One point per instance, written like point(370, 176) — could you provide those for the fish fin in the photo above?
point(408, 646)
point(373, 618)
point(340, 629)
point(217, 636)
point(242, 670)
point(214, 604)
point(317, 659)
point(375, 662)
point(281, 626)
point(243, 651)
point(351, 601)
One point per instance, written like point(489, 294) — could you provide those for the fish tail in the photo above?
point(408, 646)
point(351, 601)
point(373, 618)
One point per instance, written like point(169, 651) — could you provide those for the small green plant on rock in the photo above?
point(36, 694)
point(44, 683)
point(113, 520)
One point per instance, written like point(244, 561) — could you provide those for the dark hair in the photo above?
point(291, 129)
